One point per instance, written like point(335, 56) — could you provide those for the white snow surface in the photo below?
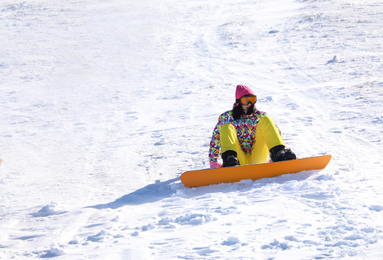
point(104, 104)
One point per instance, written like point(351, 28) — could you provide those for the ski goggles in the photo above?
point(248, 99)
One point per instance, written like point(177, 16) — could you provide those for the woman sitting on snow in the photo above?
point(246, 135)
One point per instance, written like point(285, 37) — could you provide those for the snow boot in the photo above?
point(280, 153)
point(230, 159)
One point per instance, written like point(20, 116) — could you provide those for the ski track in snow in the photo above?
point(105, 104)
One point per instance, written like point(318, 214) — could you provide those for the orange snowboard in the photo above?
point(253, 172)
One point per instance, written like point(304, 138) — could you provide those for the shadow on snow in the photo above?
point(148, 194)
point(161, 190)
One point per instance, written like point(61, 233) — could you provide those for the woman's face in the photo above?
point(246, 107)
point(247, 101)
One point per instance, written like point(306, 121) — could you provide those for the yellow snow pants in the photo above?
point(267, 136)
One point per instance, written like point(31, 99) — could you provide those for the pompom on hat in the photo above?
point(243, 90)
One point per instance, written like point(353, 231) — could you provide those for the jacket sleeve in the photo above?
point(215, 144)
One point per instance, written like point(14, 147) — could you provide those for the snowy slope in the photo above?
point(105, 103)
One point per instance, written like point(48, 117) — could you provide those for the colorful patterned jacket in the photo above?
point(246, 127)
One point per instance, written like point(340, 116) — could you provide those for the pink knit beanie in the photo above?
point(243, 90)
